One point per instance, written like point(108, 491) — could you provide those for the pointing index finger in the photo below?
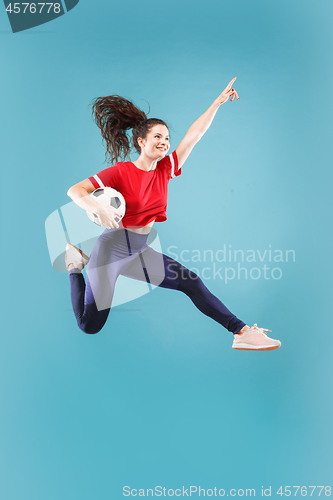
point(230, 84)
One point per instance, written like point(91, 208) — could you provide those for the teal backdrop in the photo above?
point(159, 397)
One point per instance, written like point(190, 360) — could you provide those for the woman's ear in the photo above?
point(141, 142)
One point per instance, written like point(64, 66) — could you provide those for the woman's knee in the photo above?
point(93, 327)
point(90, 329)
point(92, 320)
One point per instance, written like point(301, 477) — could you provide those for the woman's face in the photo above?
point(156, 143)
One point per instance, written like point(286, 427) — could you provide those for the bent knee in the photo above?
point(90, 329)
point(92, 321)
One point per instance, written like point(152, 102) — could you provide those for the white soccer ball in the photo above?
point(108, 197)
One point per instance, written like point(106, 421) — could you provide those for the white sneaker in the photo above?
point(75, 258)
point(255, 339)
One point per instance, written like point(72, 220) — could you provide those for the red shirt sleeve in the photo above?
point(175, 169)
point(170, 163)
point(106, 178)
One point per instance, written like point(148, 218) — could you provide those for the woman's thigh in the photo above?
point(109, 256)
point(158, 269)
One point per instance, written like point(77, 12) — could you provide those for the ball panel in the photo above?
point(98, 192)
point(115, 202)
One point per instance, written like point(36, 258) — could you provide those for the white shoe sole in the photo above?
point(249, 347)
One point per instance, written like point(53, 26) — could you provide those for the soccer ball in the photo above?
point(108, 197)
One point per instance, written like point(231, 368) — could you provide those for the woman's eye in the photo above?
point(157, 137)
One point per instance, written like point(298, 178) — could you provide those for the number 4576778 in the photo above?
point(304, 490)
point(33, 8)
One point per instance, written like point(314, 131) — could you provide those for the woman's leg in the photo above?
point(92, 301)
point(161, 270)
point(88, 317)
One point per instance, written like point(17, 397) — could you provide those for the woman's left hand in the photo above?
point(227, 93)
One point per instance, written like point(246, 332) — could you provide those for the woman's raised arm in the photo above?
point(201, 125)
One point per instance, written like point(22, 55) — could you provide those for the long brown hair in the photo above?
point(115, 116)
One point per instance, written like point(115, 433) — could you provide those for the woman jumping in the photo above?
point(122, 248)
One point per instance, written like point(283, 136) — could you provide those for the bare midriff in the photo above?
point(141, 230)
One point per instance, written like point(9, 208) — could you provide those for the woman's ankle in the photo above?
point(73, 269)
point(243, 330)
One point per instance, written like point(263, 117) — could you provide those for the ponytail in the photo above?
point(114, 116)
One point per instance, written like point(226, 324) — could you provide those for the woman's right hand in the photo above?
point(107, 216)
point(80, 194)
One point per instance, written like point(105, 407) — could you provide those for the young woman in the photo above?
point(122, 249)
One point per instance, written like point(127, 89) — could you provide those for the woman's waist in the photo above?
point(139, 229)
point(124, 241)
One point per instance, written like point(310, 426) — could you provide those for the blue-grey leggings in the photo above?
point(123, 252)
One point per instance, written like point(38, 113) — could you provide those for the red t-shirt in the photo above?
point(145, 193)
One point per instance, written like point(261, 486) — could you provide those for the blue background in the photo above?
point(158, 397)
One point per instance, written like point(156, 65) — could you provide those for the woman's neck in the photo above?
point(145, 163)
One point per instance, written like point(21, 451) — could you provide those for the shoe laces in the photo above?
point(260, 330)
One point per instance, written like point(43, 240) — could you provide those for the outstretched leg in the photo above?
point(161, 270)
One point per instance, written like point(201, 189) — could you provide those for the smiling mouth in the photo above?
point(161, 148)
